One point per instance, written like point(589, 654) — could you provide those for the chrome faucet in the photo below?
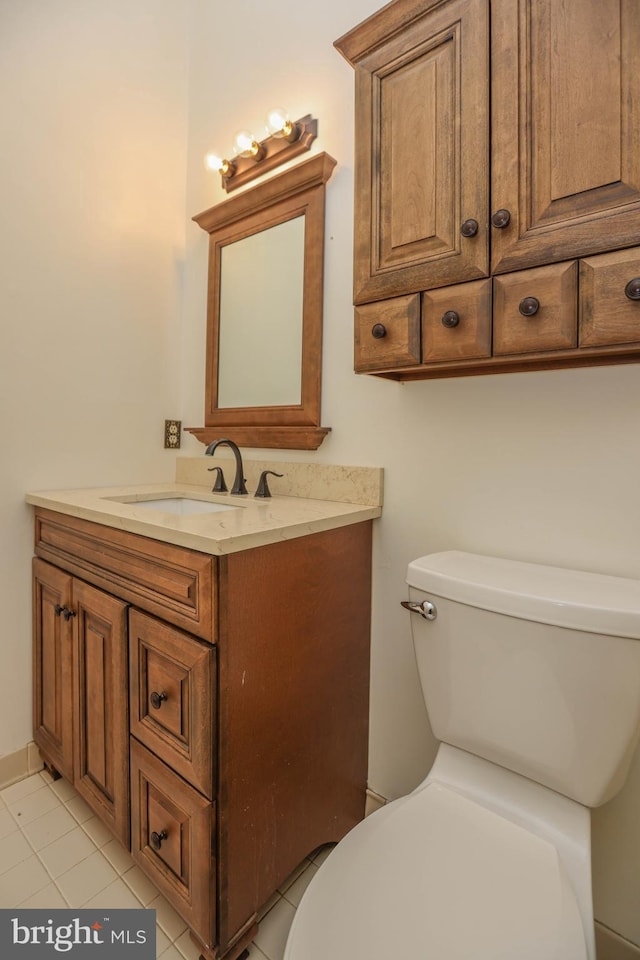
point(239, 485)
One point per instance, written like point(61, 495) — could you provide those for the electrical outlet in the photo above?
point(172, 430)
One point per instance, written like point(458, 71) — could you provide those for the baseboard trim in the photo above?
point(16, 766)
point(611, 946)
point(374, 802)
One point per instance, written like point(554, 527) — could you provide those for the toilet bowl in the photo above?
point(531, 677)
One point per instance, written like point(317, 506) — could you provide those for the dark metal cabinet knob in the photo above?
point(64, 612)
point(450, 319)
point(157, 838)
point(378, 330)
point(529, 306)
point(632, 289)
point(469, 228)
point(157, 699)
point(501, 219)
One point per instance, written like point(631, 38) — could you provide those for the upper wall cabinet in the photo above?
point(492, 136)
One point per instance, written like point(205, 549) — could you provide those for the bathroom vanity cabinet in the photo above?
point(212, 710)
point(497, 167)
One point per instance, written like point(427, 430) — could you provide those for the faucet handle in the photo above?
point(263, 487)
point(219, 486)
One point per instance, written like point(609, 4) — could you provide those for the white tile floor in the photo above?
point(55, 853)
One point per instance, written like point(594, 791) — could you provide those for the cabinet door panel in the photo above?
point(52, 659)
point(552, 325)
point(608, 314)
point(171, 839)
point(102, 718)
point(565, 136)
point(172, 684)
point(421, 154)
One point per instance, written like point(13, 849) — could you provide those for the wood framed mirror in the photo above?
point(264, 311)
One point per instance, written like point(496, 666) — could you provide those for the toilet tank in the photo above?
point(535, 668)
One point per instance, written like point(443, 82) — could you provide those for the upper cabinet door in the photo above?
point(565, 129)
point(422, 126)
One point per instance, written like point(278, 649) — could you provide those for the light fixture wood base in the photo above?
point(275, 150)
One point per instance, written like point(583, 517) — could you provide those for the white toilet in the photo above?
point(531, 676)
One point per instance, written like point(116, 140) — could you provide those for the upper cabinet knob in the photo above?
point(378, 330)
point(469, 228)
point(501, 219)
point(529, 306)
point(450, 319)
point(632, 289)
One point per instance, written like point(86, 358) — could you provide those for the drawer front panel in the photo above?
point(172, 691)
point(456, 322)
point(536, 310)
point(610, 299)
point(387, 334)
point(172, 582)
point(171, 839)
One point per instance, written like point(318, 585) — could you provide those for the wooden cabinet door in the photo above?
point(100, 694)
point(565, 134)
point(422, 153)
point(52, 674)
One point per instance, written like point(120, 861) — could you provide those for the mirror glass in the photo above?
point(264, 311)
point(260, 324)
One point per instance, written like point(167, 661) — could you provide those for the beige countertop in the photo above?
point(250, 523)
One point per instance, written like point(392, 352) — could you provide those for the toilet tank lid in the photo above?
point(593, 602)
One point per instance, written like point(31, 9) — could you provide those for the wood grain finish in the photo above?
point(294, 692)
point(180, 866)
point(553, 326)
point(563, 79)
point(421, 154)
point(179, 727)
point(471, 334)
point(400, 342)
point(169, 581)
point(52, 667)
point(565, 139)
point(607, 315)
point(101, 706)
point(257, 752)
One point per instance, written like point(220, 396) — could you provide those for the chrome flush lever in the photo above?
point(426, 609)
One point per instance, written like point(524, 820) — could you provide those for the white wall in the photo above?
point(538, 466)
point(92, 227)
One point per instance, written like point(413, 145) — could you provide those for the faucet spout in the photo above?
point(239, 484)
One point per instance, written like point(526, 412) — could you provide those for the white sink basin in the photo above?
point(182, 506)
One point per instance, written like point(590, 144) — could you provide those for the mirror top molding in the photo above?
point(264, 366)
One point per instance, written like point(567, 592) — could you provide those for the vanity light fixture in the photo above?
point(286, 139)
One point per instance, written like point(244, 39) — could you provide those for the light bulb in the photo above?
point(213, 161)
point(277, 121)
point(244, 144)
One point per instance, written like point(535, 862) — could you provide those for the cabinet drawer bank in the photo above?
point(185, 697)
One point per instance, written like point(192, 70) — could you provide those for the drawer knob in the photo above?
point(529, 306)
point(156, 699)
point(469, 228)
point(157, 838)
point(632, 289)
point(501, 219)
point(378, 330)
point(450, 319)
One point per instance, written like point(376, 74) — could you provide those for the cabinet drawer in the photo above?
point(387, 334)
point(172, 690)
point(456, 322)
point(171, 839)
point(609, 312)
point(536, 310)
point(172, 582)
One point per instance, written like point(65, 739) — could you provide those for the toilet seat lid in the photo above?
point(436, 876)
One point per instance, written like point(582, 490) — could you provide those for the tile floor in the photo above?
point(54, 852)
